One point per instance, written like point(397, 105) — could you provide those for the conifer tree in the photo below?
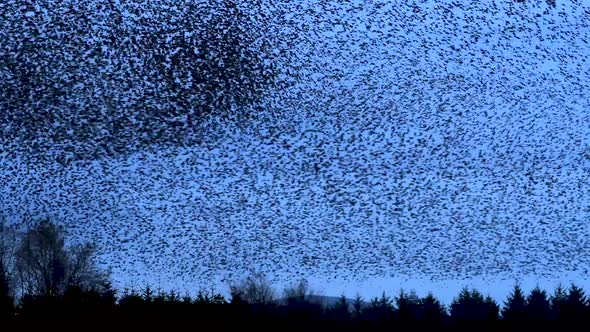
point(576, 304)
point(493, 309)
point(471, 305)
point(408, 306)
point(340, 310)
point(538, 306)
point(357, 306)
point(558, 300)
point(108, 296)
point(515, 305)
point(380, 309)
point(432, 309)
point(148, 294)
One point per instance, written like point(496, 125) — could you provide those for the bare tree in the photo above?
point(254, 289)
point(299, 291)
point(46, 267)
point(7, 250)
point(82, 270)
point(41, 260)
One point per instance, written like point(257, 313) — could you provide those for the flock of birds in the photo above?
point(440, 139)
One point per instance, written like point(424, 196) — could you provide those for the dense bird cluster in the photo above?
point(441, 139)
point(88, 79)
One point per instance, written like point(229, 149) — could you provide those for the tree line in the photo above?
point(41, 278)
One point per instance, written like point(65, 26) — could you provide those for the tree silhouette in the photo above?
point(6, 299)
point(493, 309)
point(408, 306)
point(340, 311)
point(575, 307)
point(432, 309)
point(558, 300)
point(131, 304)
point(515, 305)
point(7, 249)
point(255, 289)
point(302, 313)
point(42, 260)
point(538, 306)
point(299, 292)
point(471, 305)
point(379, 310)
point(82, 270)
point(46, 267)
point(79, 303)
point(357, 306)
point(300, 305)
point(108, 296)
point(148, 294)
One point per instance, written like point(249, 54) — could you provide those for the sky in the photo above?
point(426, 145)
